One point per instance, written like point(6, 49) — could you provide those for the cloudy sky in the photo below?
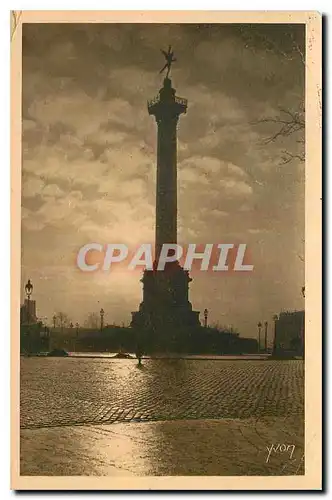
point(89, 161)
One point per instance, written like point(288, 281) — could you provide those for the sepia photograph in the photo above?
point(162, 285)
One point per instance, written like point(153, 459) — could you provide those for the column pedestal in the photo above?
point(165, 302)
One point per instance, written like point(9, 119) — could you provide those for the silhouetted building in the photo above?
point(28, 312)
point(165, 303)
point(289, 333)
point(34, 336)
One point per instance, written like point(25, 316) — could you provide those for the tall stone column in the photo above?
point(165, 303)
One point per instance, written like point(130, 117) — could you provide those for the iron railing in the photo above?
point(179, 100)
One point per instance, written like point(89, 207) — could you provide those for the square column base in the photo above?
point(165, 304)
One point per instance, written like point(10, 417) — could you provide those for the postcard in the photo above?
point(166, 250)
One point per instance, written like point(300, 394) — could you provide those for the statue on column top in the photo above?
point(169, 60)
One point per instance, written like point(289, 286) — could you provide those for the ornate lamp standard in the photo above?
point(71, 326)
point(259, 336)
point(77, 327)
point(54, 318)
point(275, 319)
point(266, 327)
point(102, 312)
point(206, 313)
point(28, 290)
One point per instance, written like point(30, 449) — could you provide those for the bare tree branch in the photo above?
point(288, 157)
point(298, 49)
point(288, 123)
point(92, 320)
point(292, 48)
point(61, 319)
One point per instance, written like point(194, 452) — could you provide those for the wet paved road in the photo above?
point(186, 447)
point(170, 417)
point(73, 391)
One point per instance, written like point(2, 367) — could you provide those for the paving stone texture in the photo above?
point(168, 417)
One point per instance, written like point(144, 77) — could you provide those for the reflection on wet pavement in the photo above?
point(170, 417)
point(80, 391)
point(194, 447)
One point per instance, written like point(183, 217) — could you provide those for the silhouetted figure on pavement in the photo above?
point(139, 354)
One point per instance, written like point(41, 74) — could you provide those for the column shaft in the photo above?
point(166, 192)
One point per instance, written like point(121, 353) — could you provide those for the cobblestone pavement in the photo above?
point(73, 391)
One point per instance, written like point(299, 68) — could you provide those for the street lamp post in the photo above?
point(102, 312)
point(259, 336)
point(54, 318)
point(206, 313)
point(266, 327)
point(275, 319)
point(77, 326)
point(28, 291)
point(71, 326)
